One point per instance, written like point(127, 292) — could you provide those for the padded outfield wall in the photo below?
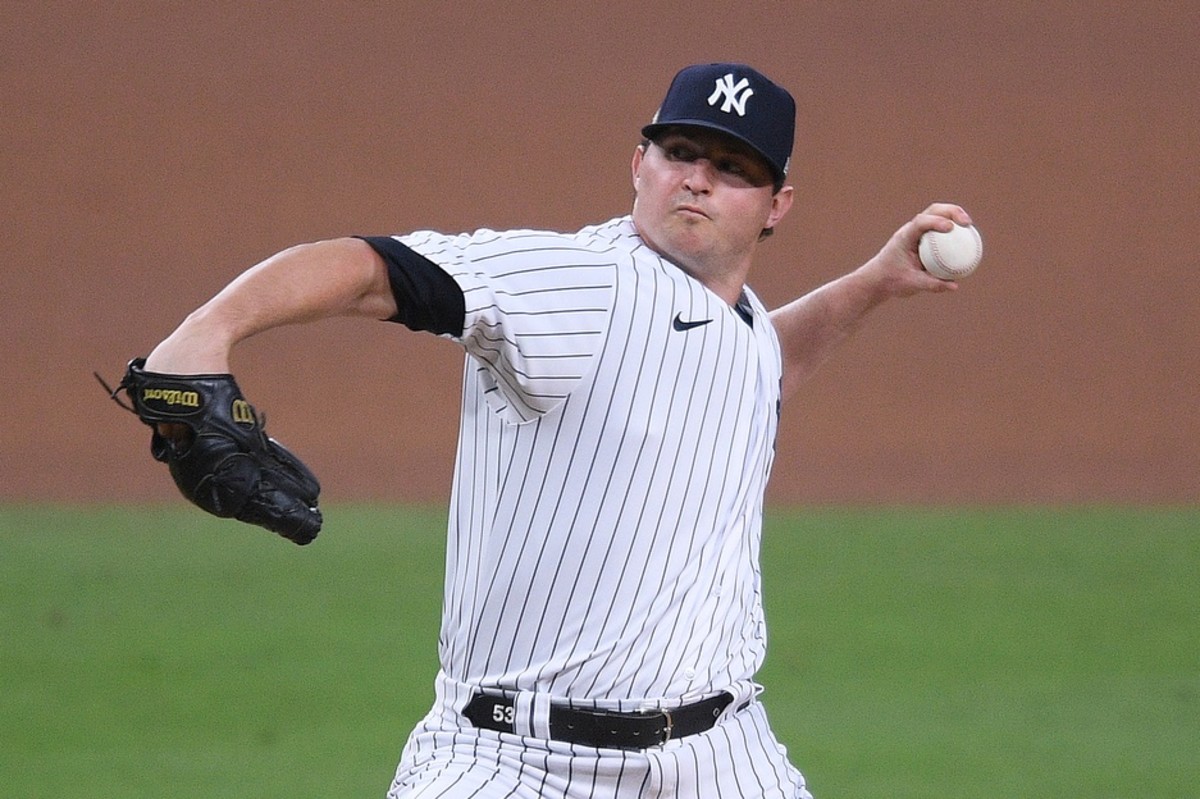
point(151, 151)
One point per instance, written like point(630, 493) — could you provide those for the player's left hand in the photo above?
point(218, 453)
point(897, 269)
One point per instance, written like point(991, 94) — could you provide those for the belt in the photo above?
point(608, 729)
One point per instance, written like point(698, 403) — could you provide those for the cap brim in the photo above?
point(655, 128)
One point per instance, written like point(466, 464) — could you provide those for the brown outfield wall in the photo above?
point(150, 154)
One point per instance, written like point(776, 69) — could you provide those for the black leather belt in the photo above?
point(604, 728)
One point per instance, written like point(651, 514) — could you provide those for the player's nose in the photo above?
point(698, 177)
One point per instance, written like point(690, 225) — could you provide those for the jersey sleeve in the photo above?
point(426, 297)
point(536, 308)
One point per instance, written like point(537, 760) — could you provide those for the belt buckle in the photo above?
point(668, 721)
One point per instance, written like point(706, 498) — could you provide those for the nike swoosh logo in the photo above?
point(681, 325)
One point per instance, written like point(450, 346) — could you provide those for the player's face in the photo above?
point(703, 199)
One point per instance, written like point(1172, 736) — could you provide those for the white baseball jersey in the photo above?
point(618, 429)
point(617, 433)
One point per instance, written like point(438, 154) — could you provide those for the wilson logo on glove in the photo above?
point(166, 399)
point(218, 453)
point(242, 413)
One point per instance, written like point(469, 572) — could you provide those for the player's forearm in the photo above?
point(306, 283)
point(812, 327)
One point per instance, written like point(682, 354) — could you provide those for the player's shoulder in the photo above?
point(588, 256)
point(588, 243)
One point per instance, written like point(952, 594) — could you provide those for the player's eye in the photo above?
point(731, 166)
point(680, 152)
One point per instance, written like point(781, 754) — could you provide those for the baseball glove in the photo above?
point(218, 453)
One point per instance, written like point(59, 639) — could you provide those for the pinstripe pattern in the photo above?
point(606, 511)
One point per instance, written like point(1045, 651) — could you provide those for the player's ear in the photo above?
point(636, 166)
point(781, 201)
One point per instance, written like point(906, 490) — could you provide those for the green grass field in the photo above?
point(151, 652)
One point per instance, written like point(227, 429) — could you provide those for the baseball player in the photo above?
point(602, 621)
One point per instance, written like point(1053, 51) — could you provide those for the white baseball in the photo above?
point(953, 255)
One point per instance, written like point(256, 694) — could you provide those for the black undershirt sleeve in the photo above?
point(427, 297)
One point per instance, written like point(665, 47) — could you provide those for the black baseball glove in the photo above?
point(218, 453)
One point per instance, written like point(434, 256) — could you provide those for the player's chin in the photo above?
point(685, 250)
point(694, 229)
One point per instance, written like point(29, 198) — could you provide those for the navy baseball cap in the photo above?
point(734, 99)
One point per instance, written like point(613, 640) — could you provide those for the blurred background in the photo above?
point(150, 151)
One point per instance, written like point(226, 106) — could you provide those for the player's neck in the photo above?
point(720, 273)
point(727, 282)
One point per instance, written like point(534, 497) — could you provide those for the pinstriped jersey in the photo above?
point(617, 434)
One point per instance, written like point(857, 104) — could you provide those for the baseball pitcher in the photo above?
point(602, 621)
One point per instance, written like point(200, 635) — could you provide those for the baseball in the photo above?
point(953, 255)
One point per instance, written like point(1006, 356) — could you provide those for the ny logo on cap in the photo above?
point(735, 95)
